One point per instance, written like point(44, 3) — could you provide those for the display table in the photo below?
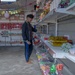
point(70, 57)
point(56, 52)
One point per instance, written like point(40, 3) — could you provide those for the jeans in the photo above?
point(28, 50)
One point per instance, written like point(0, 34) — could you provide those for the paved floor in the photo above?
point(12, 62)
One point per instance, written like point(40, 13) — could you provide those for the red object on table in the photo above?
point(59, 67)
point(35, 36)
point(45, 38)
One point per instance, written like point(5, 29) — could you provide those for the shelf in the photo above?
point(17, 44)
point(56, 52)
point(72, 6)
point(16, 29)
point(70, 57)
point(16, 34)
point(56, 14)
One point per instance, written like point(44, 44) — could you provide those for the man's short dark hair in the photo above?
point(30, 16)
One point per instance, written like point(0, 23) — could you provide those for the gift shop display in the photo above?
point(66, 3)
point(11, 34)
point(46, 9)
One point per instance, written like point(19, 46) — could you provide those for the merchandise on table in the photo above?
point(44, 60)
point(46, 9)
point(58, 40)
point(45, 69)
point(59, 68)
point(66, 3)
point(47, 62)
point(66, 47)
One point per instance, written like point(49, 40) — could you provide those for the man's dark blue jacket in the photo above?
point(27, 30)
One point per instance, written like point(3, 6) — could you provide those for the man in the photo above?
point(27, 35)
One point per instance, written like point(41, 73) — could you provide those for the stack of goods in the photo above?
point(66, 3)
point(46, 37)
point(69, 48)
point(66, 47)
point(47, 64)
point(56, 69)
point(44, 60)
point(42, 15)
point(57, 40)
point(36, 40)
point(46, 9)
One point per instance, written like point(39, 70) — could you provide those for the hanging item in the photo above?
point(37, 7)
point(6, 14)
point(38, 2)
point(42, 15)
point(64, 3)
point(46, 9)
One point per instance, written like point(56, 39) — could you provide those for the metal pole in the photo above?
point(47, 29)
point(56, 29)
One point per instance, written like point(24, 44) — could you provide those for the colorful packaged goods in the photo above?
point(59, 68)
point(66, 47)
point(66, 3)
point(57, 40)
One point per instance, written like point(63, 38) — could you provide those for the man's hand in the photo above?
point(28, 42)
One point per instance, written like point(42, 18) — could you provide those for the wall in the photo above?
point(51, 29)
point(44, 30)
point(67, 28)
point(64, 28)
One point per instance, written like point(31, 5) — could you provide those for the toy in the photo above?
point(53, 70)
point(59, 68)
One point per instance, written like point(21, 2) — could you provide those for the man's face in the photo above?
point(29, 19)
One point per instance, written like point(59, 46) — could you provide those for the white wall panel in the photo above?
point(51, 29)
point(67, 28)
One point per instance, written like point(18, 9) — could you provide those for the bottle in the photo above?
point(53, 70)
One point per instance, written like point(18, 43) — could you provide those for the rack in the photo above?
point(71, 7)
point(11, 34)
point(70, 57)
point(52, 17)
point(56, 13)
point(56, 52)
point(53, 53)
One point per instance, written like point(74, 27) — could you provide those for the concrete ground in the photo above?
point(12, 62)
